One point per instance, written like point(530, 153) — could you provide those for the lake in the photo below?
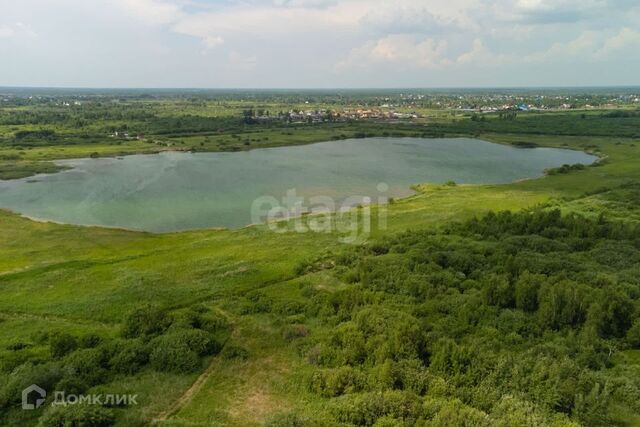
point(175, 191)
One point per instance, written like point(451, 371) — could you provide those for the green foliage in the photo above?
point(46, 375)
point(77, 416)
point(62, 344)
point(179, 351)
point(633, 334)
point(564, 169)
point(233, 351)
point(511, 314)
point(526, 291)
point(336, 382)
point(366, 409)
point(292, 332)
point(146, 321)
point(130, 356)
point(87, 366)
point(292, 419)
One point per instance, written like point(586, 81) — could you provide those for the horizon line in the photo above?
point(632, 86)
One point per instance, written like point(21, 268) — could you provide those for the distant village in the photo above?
point(125, 135)
point(319, 116)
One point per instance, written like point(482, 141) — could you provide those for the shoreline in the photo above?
point(417, 189)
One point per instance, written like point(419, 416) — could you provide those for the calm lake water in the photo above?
point(179, 191)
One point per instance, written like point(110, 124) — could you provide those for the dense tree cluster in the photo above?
point(150, 338)
point(510, 319)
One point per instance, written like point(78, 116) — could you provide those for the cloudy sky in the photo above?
point(319, 43)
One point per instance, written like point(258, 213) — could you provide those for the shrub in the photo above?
point(88, 366)
point(233, 351)
point(187, 319)
point(295, 420)
point(451, 359)
point(199, 341)
point(62, 344)
point(289, 308)
point(214, 322)
point(46, 375)
point(131, 357)
point(72, 385)
point(526, 291)
point(455, 413)
point(77, 416)
point(498, 291)
point(334, 382)
point(90, 340)
point(292, 332)
point(178, 359)
point(633, 334)
point(411, 375)
point(146, 321)
point(18, 345)
point(179, 351)
point(258, 302)
point(366, 409)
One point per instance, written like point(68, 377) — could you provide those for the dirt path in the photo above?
point(188, 395)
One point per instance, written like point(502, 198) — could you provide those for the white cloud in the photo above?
point(320, 4)
point(398, 50)
point(399, 20)
point(17, 30)
point(582, 46)
point(480, 55)
point(6, 32)
point(589, 46)
point(406, 51)
point(301, 41)
point(625, 38)
point(211, 41)
point(152, 12)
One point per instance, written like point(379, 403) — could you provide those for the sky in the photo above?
point(319, 43)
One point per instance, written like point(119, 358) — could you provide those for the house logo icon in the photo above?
point(30, 393)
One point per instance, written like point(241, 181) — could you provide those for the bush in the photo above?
point(233, 351)
point(46, 375)
point(146, 321)
point(456, 413)
point(191, 318)
point(633, 335)
point(131, 357)
point(288, 308)
point(214, 322)
point(174, 359)
point(88, 366)
point(334, 382)
point(366, 409)
point(295, 420)
point(90, 340)
point(62, 344)
point(77, 416)
point(179, 351)
point(526, 291)
point(199, 341)
point(292, 332)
